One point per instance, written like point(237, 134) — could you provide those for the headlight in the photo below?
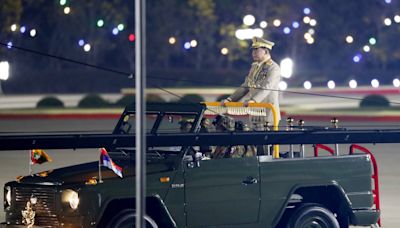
point(71, 197)
point(7, 193)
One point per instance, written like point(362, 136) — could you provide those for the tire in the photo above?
point(127, 218)
point(312, 216)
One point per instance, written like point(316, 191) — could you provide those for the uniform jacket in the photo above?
point(261, 85)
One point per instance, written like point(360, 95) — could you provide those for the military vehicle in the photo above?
point(188, 185)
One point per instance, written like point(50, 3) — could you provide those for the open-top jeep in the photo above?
point(249, 184)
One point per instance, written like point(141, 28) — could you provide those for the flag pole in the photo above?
point(100, 177)
point(30, 162)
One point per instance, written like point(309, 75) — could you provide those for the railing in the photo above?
point(375, 175)
point(253, 109)
point(324, 147)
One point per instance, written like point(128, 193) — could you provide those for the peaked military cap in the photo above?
point(259, 42)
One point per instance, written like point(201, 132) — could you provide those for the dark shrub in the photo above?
point(50, 102)
point(125, 101)
point(93, 101)
point(191, 98)
point(374, 101)
point(154, 98)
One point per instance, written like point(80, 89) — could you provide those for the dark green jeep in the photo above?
point(189, 186)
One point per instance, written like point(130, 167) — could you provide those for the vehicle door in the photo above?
point(222, 191)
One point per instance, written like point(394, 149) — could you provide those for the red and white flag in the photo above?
point(106, 161)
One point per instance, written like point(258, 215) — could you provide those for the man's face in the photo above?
point(258, 54)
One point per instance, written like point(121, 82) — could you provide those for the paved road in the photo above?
point(14, 163)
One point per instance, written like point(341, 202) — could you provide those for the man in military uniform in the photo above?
point(262, 82)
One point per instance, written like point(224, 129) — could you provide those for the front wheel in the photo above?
point(312, 216)
point(127, 218)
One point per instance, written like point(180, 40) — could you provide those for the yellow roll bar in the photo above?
point(251, 105)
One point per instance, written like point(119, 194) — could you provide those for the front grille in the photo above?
point(44, 208)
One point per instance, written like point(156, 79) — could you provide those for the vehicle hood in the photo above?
point(83, 173)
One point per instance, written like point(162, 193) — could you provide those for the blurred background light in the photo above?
point(67, 10)
point(22, 29)
point(396, 82)
point(306, 19)
point(263, 24)
point(224, 51)
point(311, 31)
point(87, 47)
point(131, 37)
point(388, 1)
point(63, 2)
point(115, 31)
point(9, 44)
point(349, 39)
point(313, 22)
point(286, 66)
point(32, 33)
point(120, 27)
point(283, 85)
point(387, 21)
point(331, 84)
point(307, 85)
point(286, 30)
point(100, 23)
point(372, 41)
point(277, 22)
point(353, 84)
point(13, 27)
point(295, 24)
point(306, 11)
point(366, 48)
point(357, 58)
point(81, 42)
point(249, 20)
point(375, 83)
point(4, 70)
point(187, 45)
point(172, 40)
point(396, 19)
point(193, 43)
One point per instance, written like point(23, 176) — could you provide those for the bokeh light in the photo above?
point(193, 43)
point(22, 29)
point(306, 11)
point(396, 19)
point(263, 24)
point(349, 39)
point(307, 85)
point(187, 45)
point(115, 31)
point(387, 21)
point(13, 27)
point(87, 47)
point(357, 58)
point(9, 44)
point(32, 33)
point(100, 23)
point(396, 82)
point(282, 85)
point(313, 22)
point(286, 66)
point(277, 22)
point(375, 83)
point(81, 42)
point(366, 48)
point(224, 51)
point(63, 2)
point(286, 30)
point(306, 19)
point(353, 84)
point(120, 27)
point(4, 70)
point(172, 40)
point(372, 41)
point(331, 84)
point(249, 20)
point(295, 24)
point(131, 37)
point(67, 10)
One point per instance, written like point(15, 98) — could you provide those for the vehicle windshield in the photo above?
point(157, 123)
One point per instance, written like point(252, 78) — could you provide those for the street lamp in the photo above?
point(4, 72)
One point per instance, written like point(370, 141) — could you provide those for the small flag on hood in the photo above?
point(106, 161)
point(38, 156)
